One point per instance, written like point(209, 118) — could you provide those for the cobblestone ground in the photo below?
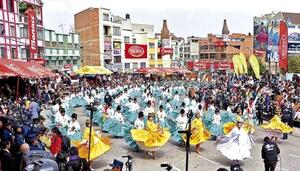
point(209, 159)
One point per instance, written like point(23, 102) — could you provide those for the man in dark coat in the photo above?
point(269, 153)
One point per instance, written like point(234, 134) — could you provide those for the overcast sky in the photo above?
point(185, 17)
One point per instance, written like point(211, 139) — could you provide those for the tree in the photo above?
point(262, 68)
point(294, 64)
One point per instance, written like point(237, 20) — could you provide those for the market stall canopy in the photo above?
point(93, 70)
point(24, 69)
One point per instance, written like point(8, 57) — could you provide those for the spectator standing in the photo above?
point(269, 153)
point(56, 141)
point(7, 160)
point(34, 110)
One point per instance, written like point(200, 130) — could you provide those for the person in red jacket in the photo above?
point(56, 141)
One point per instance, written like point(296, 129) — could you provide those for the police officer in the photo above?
point(269, 153)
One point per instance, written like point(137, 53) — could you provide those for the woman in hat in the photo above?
point(199, 133)
point(237, 144)
point(98, 144)
point(74, 131)
point(151, 137)
point(114, 126)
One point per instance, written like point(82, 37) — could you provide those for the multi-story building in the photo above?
point(216, 51)
point(62, 50)
point(21, 29)
point(191, 48)
point(104, 37)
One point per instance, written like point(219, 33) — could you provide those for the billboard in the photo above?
point(273, 41)
point(260, 33)
point(136, 51)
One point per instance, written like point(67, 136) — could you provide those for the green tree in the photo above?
point(294, 64)
point(262, 67)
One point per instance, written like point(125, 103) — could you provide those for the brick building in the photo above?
point(216, 51)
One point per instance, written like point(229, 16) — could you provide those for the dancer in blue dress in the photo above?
point(115, 125)
point(74, 132)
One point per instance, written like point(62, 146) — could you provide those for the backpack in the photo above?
point(66, 143)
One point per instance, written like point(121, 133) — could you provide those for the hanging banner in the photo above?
point(244, 62)
point(32, 31)
point(283, 46)
point(255, 66)
point(135, 51)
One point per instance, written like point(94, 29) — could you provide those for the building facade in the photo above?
point(215, 52)
point(104, 37)
point(62, 50)
point(19, 39)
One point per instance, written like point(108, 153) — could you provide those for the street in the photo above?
point(209, 159)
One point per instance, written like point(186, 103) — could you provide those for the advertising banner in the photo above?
point(135, 51)
point(107, 44)
point(201, 65)
point(260, 33)
point(166, 51)
point(117, 48)
point(273, 41)
point(32, 31)
point(283, 47)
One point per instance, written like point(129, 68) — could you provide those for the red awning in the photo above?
point(25, 69)
point(6, 72)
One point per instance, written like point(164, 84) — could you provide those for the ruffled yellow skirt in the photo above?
point(97, 149)
point(150, 139)
point(276, 124)
point(230, 125)
point(198, 136)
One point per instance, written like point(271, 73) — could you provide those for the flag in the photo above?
point(240, 64)
point(244, 62)
point(255, 65)
point(235, 64)
point(283, 46)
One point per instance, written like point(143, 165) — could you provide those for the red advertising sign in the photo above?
point(166, 51)
point(283, 46)
point(137, 51)
point(32, 31)
point(219, 43)
point(223, 65)
point(201, 65)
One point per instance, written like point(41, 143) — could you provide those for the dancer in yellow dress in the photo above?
point(151, 137)
point(99, 145)
point(277, 127)
point(199, 133)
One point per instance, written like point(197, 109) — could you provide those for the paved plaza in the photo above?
point(209, 160)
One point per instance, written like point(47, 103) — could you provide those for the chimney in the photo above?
point(127, 16)
point(165, 33)
point(225, 28)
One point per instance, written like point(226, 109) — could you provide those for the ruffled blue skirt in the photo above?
point(128, 137)
point(113, 127)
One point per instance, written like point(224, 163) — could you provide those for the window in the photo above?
point(106, 17)
point(27, 51)
point(40, 51)
point(12, 31)
point(75, 62)
point(68, 61)
point(151, 45)
point(60, 62)
point(127, 65)
point(126, 39)
point(143, 64)
point(152, 56)
point(24, 32)
point(117, 59)
point(135, 65)
point(134, 40)
point(2, 52)
point(1, 4)
point(117, 31)
point(2, 31)
point(14, 53)
point(223, 55)
point(10, 5)
point(40, 34)
point(47, 63)
point(23, 53)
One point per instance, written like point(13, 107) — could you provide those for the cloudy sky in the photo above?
point(185, 17)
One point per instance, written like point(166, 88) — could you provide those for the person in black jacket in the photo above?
point(76, 163)
point(107, 98)
point(7, 160)
point(269, 153)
